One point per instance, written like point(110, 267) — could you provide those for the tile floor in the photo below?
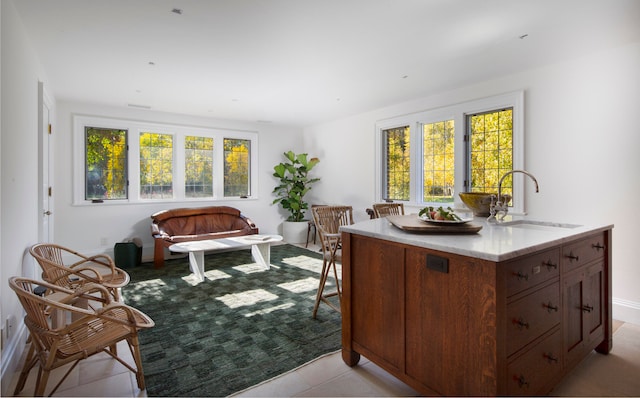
point(615, 374)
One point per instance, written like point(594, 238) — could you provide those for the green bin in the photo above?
point(127, 254)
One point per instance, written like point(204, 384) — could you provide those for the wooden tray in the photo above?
point(411, 223)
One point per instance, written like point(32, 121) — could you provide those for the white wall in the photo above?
point(581, 143)
point(18, 174)
point(82, 227)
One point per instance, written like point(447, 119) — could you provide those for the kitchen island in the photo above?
point(508, 310)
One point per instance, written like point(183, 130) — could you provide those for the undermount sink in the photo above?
point(540, 225)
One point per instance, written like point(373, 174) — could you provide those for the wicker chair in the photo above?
point(328, 220)
point(84, 269)
point(388, 209)
point(93, 330)
point(311, 224)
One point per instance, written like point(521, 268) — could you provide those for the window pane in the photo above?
point(236, 167)
point(398, 162)
point(491, 150)
point(106, 163)
point(438, 161)
point(156, 166)
point(198, 166)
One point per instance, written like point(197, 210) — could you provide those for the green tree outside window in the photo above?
point(106, 163)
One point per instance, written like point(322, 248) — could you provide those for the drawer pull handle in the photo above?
point(521, 276)
point(551, 307)
point(522, 382)
point(549, 264)
point(598, 246)
point(521, 324)
point(587, 308)
point(551, 358)
point(571, 257)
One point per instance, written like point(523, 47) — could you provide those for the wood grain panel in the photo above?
point(451, 324)
point(377, 298)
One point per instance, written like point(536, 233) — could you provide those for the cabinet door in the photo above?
point(594, 304)
point(583, 298)
point(451, 323)
point(377, 300)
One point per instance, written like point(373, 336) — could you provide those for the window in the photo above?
point(490, 149)
point(198, 167)
point(236, 167)
point(122, 161)
point(423, 161)
point(438, 161)
point(397, 160)
point(105, 163)
point(156, 166)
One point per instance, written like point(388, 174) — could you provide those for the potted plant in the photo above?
point(294, 184)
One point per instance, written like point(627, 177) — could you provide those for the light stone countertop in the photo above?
point(494, 242)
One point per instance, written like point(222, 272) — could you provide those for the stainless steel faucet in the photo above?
point(499, 206)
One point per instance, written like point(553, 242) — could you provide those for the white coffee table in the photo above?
point(260, 249)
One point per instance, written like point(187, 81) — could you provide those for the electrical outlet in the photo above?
point(437, 263)
point(104, 241)
point(8, 330)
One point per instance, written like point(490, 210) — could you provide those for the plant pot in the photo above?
point(295, 231)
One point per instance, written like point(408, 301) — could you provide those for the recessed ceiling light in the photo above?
point(177, 11)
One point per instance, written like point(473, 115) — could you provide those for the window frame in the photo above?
point(179, 133)
point(457, 112)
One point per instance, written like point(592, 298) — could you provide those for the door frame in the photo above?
point(45, 168)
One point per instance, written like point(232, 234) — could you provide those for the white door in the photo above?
point(45, 191)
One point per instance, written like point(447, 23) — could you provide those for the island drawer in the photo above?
point(534, 372)
point(532, 270)
point(583, 251)
point(531, 316)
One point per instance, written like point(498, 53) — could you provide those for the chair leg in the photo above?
point(41, 382)
point(323, 281)
point(29, 363)
point(338, 287)
point(135, 350)
point(320, 296)
point(158, 253)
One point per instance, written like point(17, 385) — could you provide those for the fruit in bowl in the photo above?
point(439, 214)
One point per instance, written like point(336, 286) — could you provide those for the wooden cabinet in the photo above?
point(448, 324)
point(584, 294)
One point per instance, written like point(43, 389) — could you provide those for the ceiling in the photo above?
point(301, 62)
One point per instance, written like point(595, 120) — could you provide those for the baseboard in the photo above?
point(626, 310)
point(11, 355)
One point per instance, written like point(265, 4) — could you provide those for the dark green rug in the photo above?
point(239, 327)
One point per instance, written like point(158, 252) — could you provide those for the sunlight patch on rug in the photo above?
point(250, 268)
point(244, 299)
point(305, 262)
point(152, 288)
point(301, 285)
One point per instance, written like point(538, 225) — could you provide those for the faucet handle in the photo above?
point(492, 207)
